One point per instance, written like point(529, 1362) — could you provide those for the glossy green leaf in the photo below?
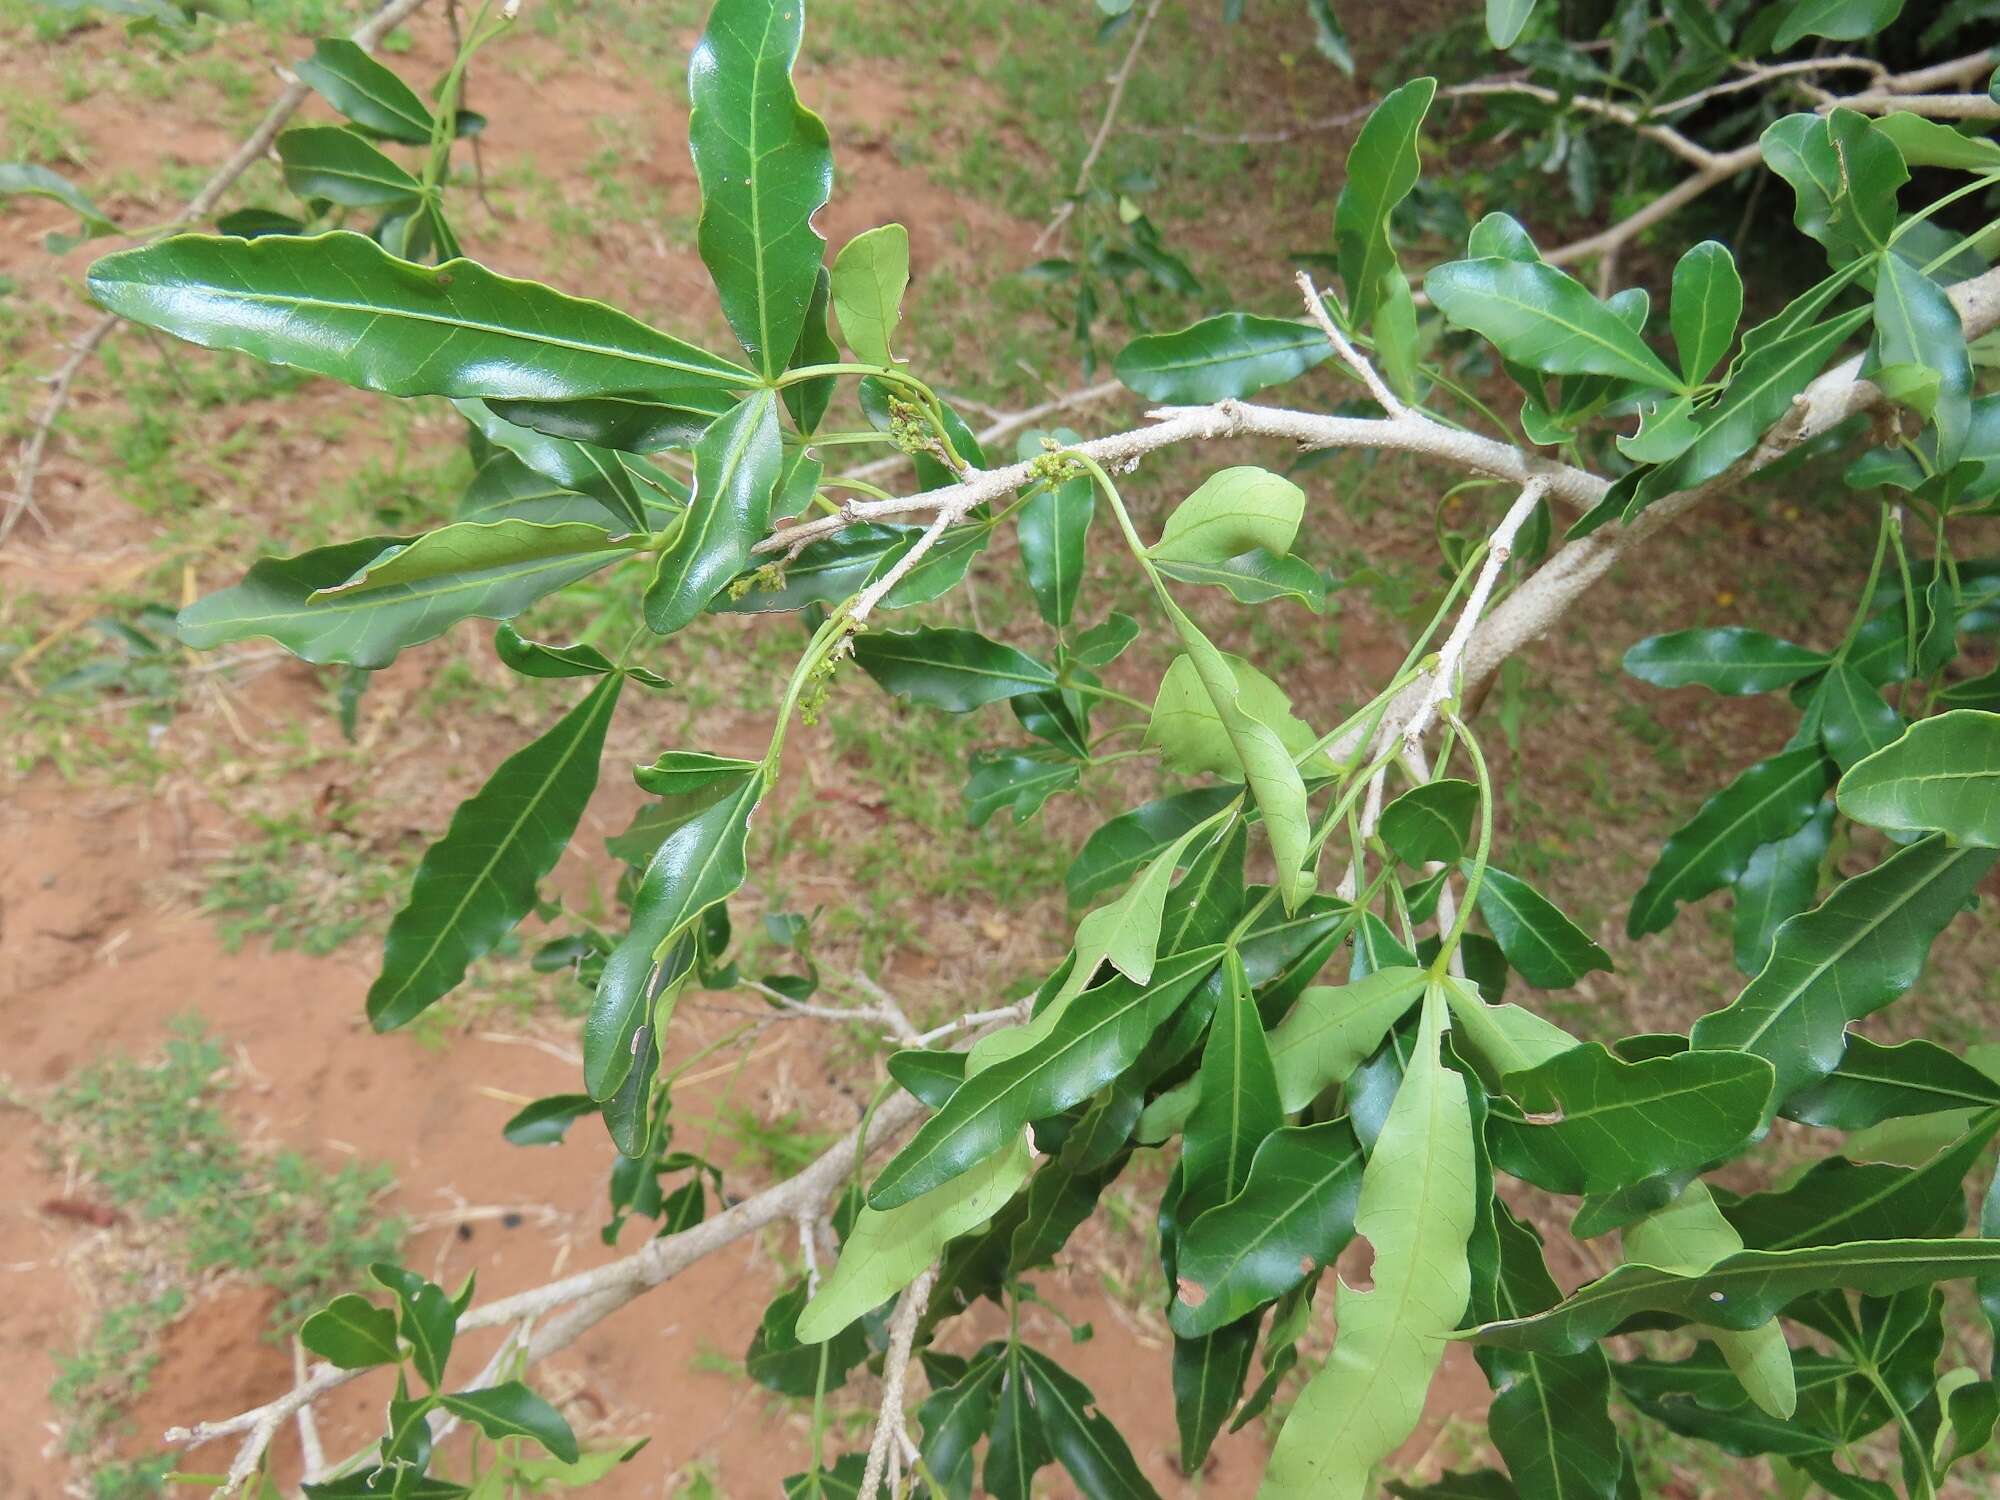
point(365, 91)
point(426, 1319)
point(736, 467)
point(1256, 577)
point(338, 304)
point(1778, 882)
point(1505, 20)
point(870, 276)
point(808, 400)
point(1015, 780)
point(680, 772)
point(1933, 143)
point(1917, 327)
point(1232, 512)
point(283, 598)
point(1875, 1083)
point(1727, 659)
point(1542, 945)
point(1844, 175)
point(1542, 318)
point(1431, 823)
point(1020, 1448)
point(352, 1332)
point(1707, 305)
point(26, 178)
point(633, 422)
point(1238, 1100)
point(1124, 932)
point(1209, 1374)
point(1382, 168)
point(1771, 800)
point(1840, 20)
point(1854, 721)
point(700, 863)
point(1741, 1291)
point(1103, 644)
point(1234, 355)
point(1417, 1211)
point(469, 554)
point(505, 488)
point(1294, 1215)
point(777, 1360)
point(953, 1418)
point(477, 882)
point(1094, 1039)
point(325, 161)
point(765, 169)
point(1053, 526)
point(547, 1120)
point(956, 670)
point(1940, 776)
point(1595, 1123)
point(539, 659)
point(1082, 1439)
point(512, 1410)
point(1701, 1397)
point(1858, 950)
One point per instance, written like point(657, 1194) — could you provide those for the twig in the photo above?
point(896, 1366)
point(1052, 232)
point(1006, 426)
point(314, 1456)
point(294, 94)
point(1931, 106)
point(1377, 388)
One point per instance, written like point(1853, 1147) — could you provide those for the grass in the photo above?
point(299, 886)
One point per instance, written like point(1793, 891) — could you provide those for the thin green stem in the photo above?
point(1477, 876)
point(1868, 588)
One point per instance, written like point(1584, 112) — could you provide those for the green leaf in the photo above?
point(1875, 1083)
point(467, 554)
point(1501, 1039)
point(1382, 168)
point(888, 1249)
point(679, 772)
point(1505, 20)
point(635, 422)
point(1112, 854)
point(1053, 526)
point(539, 659)
point(1234, 355)
point(512, 1410)
point(953, 1418)
point(325, 161)
point(1840, 20)
point(1294, 1215)
point(427, 1320)
point(807, 400)
point(1195, 738)
point(1916, 325)
point(1256, 577)
point(374, 98)
point(505, 488)
point(700, 863)
point(1932, 143)
point(1232, 512)
point(1707, 305)
point(956, 670)
point(1727, 659)
point(1083, 1441)
point(765, 169)
point(352, 1332)
point(1778, 882)
point(1542, 945)
point(1846, 959)
point(1238, 1105)
point(1595, 1123)
point(1741, 1291)
point(1103, 644)
point(480, 879)
point(304, 602)
point(1941, 777)
point(1209, 1374)
point(1844, 174)
point(869, 277)
point(25, 178)
point(1430, 823)
point(1701, 1397)
point(1417, 1212)
point(777, 1360)
point(1010, 778)
point(1771, 800)
point(338, 304)
point(1539, 317)
point(1853, 720)
point(736, 466)
point(546, 1121)
point(1094, 1039)
point(1020, 1447)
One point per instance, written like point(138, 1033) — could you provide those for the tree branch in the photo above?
point(294, 94)
point(1052, 232)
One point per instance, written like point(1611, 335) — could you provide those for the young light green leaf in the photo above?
point(1707, 304)
point(325, 161)
point(480, 879)
point(1294, 1215)
point(1771, 800)
point(1501, 1040)
point(1593, 1123)
point(1542, 318)
point(1940, 777)
point(351, 1332)
point(338, 304)
point(1916, 325)
point(1933, 143)
point(1727, 659)
point(365, 91)
point(1505, 20)
point(1541, 944)
point(736, 466)
point(956, 670)
point(1193, 735)
point(1430, 823)
point(1234, 355)
point(869, 277)
point(1230, 513)
point(1846, 959)
point(765, 169)
point(469, 550)
point(1417, 1211)
point(1256, 577)
point(1741, 1291)
point(512, 1410)
point(699, 864)
point(1382, 168)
